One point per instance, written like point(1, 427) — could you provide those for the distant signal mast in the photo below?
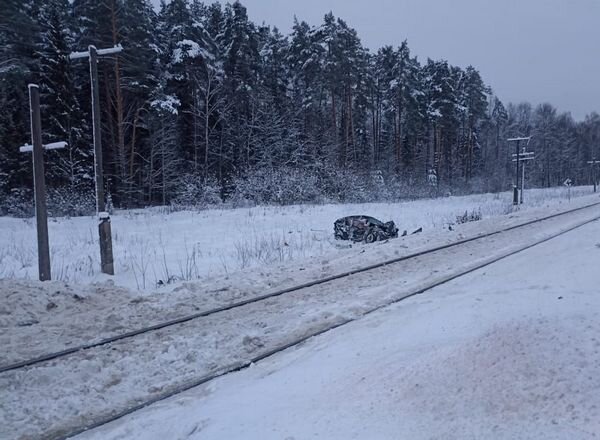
point(518, 157)
point(594, 166)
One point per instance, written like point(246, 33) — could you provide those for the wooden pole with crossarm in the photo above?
point(39, 183)
point(104, 229)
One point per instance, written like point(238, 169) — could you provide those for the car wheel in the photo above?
point(371, 237)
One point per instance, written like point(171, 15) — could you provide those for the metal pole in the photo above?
point(39, 184)
point(516, 190)
point(593, 175)
point(522, 175)
point(104, 229)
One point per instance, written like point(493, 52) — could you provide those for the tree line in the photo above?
point(204, 104)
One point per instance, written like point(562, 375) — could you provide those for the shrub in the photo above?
point(196, 191)
point(18, 203)
point(61, 202)
point(66, 202)
point(472, 216)
point(285, 186)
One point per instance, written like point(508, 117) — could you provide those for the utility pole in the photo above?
point(594, 166)
point(523, 156)
point(517, 141)
point(522, 176)
point(104, 230)
point(39, 182)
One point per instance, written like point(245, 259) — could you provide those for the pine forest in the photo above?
point(204, 107)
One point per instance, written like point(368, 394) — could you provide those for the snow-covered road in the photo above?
point(510, 351)
point(97, 382)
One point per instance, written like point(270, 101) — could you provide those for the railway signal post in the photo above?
point(516, 191)
point(594, 166)
point(39, 183)
point(523, 156)
point(568, 183)
point(104, 230)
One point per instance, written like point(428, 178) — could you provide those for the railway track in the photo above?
point(295, 341)
point(329, 279)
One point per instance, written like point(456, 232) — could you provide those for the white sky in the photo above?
point(534, 50)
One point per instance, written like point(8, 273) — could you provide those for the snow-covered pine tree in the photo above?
point(136, 70)
point(18, 65)
point(61, 114)
point(472, 110)
point(238, 42)
point(307, 89)
point(183, 49)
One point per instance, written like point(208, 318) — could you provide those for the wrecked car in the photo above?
point(363, 228)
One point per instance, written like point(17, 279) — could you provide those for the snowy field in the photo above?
point(153, 247)
point(62, 394)
point(511, 351)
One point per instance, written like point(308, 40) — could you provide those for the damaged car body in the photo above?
point(359, 228)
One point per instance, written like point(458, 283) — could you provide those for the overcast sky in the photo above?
point(534, 50)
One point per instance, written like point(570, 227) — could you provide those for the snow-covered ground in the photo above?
point(510, 351)
point(152, 245)
point(38, 317)
point(34, 315)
